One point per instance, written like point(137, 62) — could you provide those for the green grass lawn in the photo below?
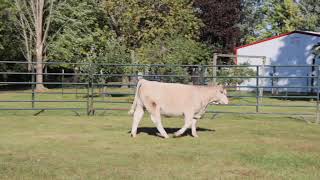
point(229, 147)
point(60, 145)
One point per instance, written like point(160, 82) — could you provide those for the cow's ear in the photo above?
point(219, 85)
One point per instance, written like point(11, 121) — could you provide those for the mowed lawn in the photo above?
point(100, 147)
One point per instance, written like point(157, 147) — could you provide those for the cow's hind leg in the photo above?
point(187, 124)
point(156, 118)
point(194, 128)
point(137, 116)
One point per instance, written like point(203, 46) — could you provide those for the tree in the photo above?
point(4, 5)
point(9, 41)
point(34, 18)
point(137, 22)
point(221, 19)
point(174, 51)
point(311, 13)
point(251, 17)
point(85, 37)
point(79, 31)
point(279, 17)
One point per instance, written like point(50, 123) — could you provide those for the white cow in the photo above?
point(172, 99)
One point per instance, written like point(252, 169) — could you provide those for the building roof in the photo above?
point(311, 33)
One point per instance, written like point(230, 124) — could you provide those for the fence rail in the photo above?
point(101, 84)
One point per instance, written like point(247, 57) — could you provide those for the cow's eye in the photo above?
point(223, 91)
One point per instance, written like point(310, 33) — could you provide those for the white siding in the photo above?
point(292, 49)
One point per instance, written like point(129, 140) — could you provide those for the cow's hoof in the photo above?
point(195, 135)
point(133, 135)
point(166, 137)
point(176, 135)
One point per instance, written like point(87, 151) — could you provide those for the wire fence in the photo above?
point(92, 87)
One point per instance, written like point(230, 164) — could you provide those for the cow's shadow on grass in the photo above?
point(153, 131)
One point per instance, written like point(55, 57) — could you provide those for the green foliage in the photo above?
point(9, 43)
point(79, 31)
point(114, 53)
point(84, 36)
point(234, 72)
point(104, 32)
point(279, 17)
point(4, 22)
point(311, 13)
point(221, 23)
point(138, 22)
point(251, 17)
point(176, 51)
point(3, 7)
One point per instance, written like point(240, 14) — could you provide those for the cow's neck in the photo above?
point(207, 94)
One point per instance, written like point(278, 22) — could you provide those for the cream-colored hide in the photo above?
point(172, 99)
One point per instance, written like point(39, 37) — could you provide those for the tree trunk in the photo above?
point(125, 81)
point(39, 46)
point(39, 70)
point(5, 76)
point(76, 77)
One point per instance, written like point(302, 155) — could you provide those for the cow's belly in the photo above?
point(181, 109)
point(168, 112)
point(175, 110)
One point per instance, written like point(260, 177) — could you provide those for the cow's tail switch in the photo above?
point(134, 104)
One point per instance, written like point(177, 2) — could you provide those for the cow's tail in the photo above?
point(134, 104)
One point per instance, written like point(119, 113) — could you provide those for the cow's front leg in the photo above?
point(194, 128)
point(156, 118)
point(137, 116)
point(187, 124)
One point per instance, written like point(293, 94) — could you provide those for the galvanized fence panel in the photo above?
point(110, 87)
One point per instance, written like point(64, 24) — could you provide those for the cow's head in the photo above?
point(220, 96)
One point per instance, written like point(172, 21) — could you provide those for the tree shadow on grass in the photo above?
point(153, 131)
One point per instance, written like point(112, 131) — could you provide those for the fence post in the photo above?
point(76, 80)
point(92, 87)
point(318, 93)
point(88, 98)
point(62, 80)
point(33, 85)
point(214, 69)
point(76, 91)
point(257, 90)
point(264, 60)
point(272, 80)
point(101, 86)
point(203, 75)
point(89, 90)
